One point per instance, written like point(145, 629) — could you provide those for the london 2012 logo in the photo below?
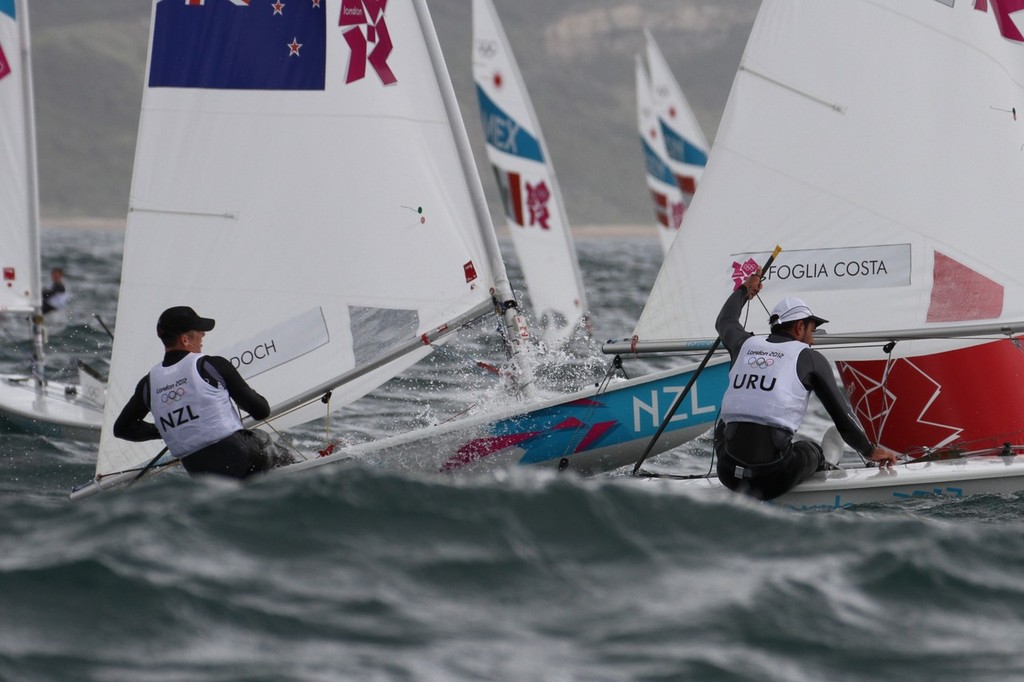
point(1003, 11)
point(173, 396)
point(5, 68)
point(740, 272)
point(363, 25)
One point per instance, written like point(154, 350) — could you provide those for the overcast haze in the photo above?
point(576, 57)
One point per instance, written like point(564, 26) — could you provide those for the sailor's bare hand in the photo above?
point(753, 284)
point(883, 456)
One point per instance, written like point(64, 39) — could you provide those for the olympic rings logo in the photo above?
point(173, 396)
point(487, 49)
point(760, 363)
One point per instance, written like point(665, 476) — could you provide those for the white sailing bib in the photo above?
point(764, 387)
point(189, 413)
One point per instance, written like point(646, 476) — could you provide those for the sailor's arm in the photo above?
point(244, 396)
point(129, 424)
point(728, 325)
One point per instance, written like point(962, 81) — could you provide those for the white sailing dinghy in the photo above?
point(333, 224)
point(674, 146)
point(878, 142)
point(29, 401)
point(534, 209)
point(666, 195)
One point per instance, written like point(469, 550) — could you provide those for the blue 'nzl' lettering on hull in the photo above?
point(627, 416)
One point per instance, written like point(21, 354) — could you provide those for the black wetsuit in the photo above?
point(51, 291)
point(769, 462)
point(239, 455)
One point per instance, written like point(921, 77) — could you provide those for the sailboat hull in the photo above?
point(590, 431)
point(848, 487)
point(57, 410)
point(966, 399)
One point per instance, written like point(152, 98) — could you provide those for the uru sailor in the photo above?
point(770, 382)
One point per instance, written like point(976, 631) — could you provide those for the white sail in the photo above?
point(19, 203)
point(666, 195)
point(28, 402)
point(878, 142)
point(310, 188)
point(522, 166)
point(686, 148)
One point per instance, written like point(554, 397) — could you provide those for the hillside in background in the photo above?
point(576, 56)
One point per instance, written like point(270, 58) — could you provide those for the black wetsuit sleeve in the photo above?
point(728, 325)
point(816, 374)
point(129, 424)
point(244, 396)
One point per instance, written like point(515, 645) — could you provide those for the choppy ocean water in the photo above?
point(363, 574)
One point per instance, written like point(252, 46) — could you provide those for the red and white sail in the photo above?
point(878, 142)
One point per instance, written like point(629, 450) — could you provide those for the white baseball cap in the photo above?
point(791, 309)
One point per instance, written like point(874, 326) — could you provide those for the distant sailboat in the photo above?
point(30, 402)
point(675, 149)
point(367, 240)
point(878, 141)
point(534, 208)
point(666, 195)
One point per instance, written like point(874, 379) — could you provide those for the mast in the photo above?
point(32, 197)
point(506, 307)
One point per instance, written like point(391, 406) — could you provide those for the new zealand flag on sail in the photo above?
point(239, 45)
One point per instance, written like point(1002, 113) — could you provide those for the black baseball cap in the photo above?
point(181, 319)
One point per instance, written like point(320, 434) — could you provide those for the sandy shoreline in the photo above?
point(617, 231)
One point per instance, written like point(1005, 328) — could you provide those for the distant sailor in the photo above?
point(190, 397)
point(770, 382)
point(55, 296)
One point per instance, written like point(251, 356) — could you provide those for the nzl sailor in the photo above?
point(190, 397)
point(770, 382)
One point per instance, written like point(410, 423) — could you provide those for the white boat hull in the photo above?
point(589, 431)
point(55, 409)
point(847, 487)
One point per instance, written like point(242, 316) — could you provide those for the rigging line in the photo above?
point(711, 464)
point(887, 405)
point(290, 444)
point(575, 439)
point(602, 388)
point(961, 446)
point(761, 301)
point(142, 468)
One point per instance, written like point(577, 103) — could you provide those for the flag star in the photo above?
point(672, 112)
point(316, 4)
point(293, 47)
point(278, 7)
point(498, 80)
